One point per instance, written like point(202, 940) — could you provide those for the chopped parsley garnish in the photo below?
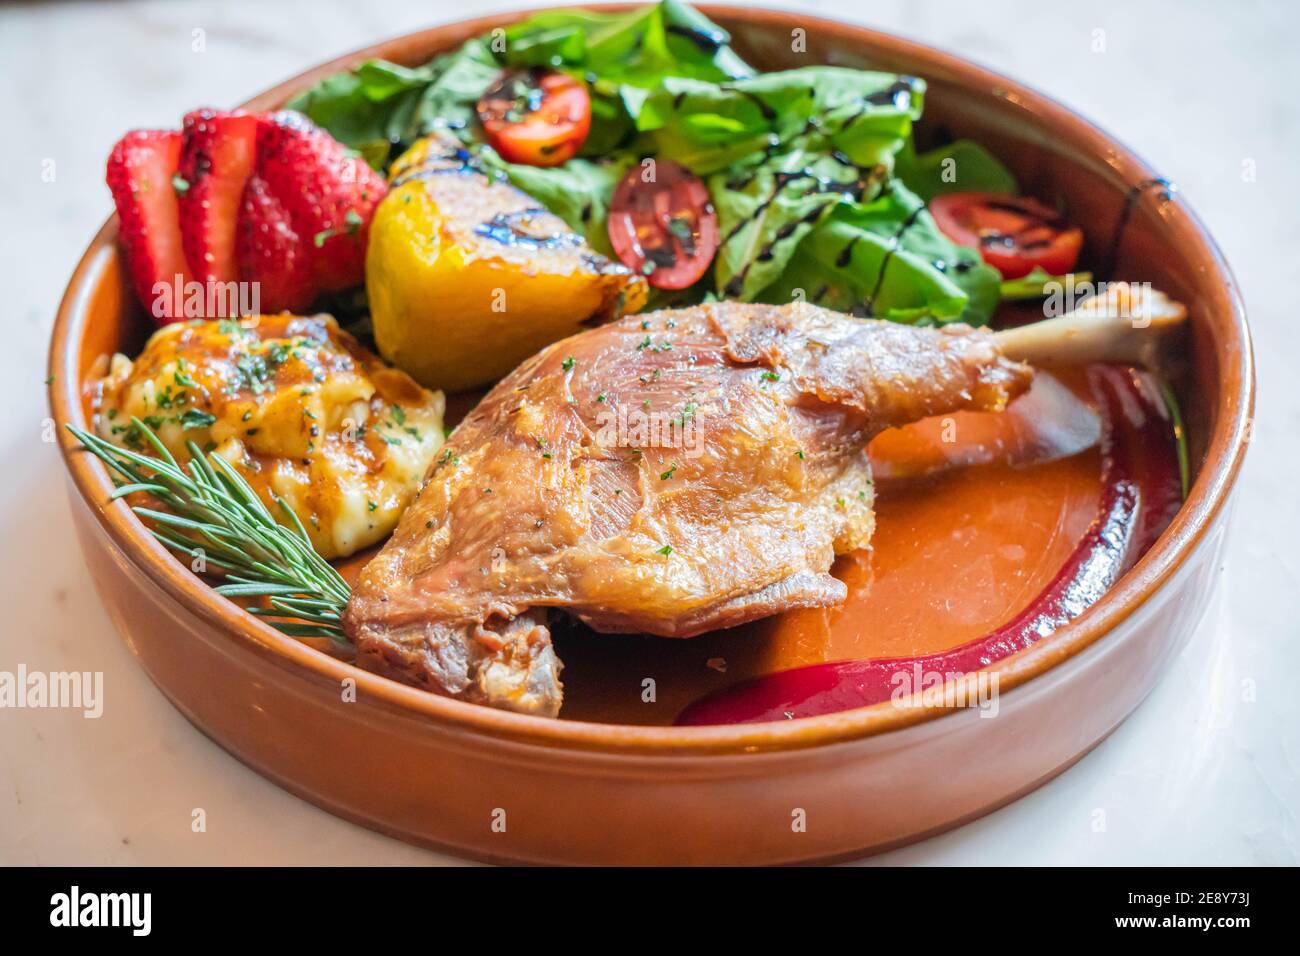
point(193, 418)
point(255, 372)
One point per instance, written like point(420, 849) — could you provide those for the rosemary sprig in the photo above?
point(213, 511)
point(1180, 435)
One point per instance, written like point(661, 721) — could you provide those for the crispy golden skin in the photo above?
point(467, 277)
point(669, 474)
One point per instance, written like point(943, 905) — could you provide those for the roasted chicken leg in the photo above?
point(670, 474)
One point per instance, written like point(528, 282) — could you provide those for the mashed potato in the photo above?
point(298, 406)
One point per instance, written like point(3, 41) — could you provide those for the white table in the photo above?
point(1199, 774)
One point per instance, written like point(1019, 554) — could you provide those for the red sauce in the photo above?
point(917, 624)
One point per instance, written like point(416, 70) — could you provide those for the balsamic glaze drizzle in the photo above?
point(898, 94)
point(764, 108)
point(867, 309)
point(457, 161)
point(1126, 213)
point(510, 229)
point(853, 189)
point(846, 254)
point(709, 41)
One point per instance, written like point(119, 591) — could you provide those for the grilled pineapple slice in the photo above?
point(468, 276)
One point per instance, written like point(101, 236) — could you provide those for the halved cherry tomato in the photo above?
point(536, 117)
point(1014, 234)
point(662, 224)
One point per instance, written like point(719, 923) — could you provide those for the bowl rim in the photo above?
point(1204, 504)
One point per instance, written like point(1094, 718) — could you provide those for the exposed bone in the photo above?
point(1127, 323)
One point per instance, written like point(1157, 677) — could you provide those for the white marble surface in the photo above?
point(1201, 773)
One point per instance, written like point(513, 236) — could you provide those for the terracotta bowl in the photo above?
point(438, 772)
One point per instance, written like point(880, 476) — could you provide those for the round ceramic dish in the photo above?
point(447, 774)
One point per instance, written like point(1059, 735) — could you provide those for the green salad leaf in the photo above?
point(887, 259)
point(780, 150)
point(637, 48)
point(578, 192)
point(961, 166)
point(817, 186)
point(708, 127)
point(374, 102)
point(381, 105)
point(765, 211)
point(623, 56)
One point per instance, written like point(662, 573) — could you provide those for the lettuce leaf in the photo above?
point(711, 126)
point(780, 150)
point(887, 259)
point(962, 166)
point(380, 106)
point(637, 48)
point(376, 101)
point(578, 192)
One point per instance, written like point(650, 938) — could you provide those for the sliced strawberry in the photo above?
point(329, 192)
point(270, 252)
point(140, 174)
point(218, 157)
